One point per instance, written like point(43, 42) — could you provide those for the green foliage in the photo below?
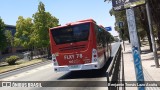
point(33, 33)
point(12, 60)
point(2, 35)
point(139, 24)
point(23, 32)
point(120, 16)
point(42, 22)
point(9, 37)
point(111, 38)
point(155, 8)
point(116, 39)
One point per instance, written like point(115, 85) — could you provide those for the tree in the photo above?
point(42, 22)
point(120, 16)
point(2, 36)
point(23, 32)
point(142, 22)
point(155, 8)
point(9, 38)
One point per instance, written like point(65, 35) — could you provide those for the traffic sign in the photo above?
point(108, 28)
point(124, 4)
point(120, 24)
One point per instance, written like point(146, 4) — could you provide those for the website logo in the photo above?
point(6, 84)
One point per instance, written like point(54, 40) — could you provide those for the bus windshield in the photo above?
point(70, 34)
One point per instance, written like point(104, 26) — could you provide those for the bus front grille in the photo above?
point(72, 47)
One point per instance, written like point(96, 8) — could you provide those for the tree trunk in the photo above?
point(149, 37)
point(158, 41)
point(139, 40)
point(32, 49)
point(49, 52)
point(155, 11)
point(128, 37)
point(144, 22)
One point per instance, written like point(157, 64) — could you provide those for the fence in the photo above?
point(115, 72)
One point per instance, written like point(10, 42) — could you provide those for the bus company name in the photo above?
point(72, 56)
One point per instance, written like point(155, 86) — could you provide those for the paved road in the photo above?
point(114, 48)
point(24, 69)
point(46, 73)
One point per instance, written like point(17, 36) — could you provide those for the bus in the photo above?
point(81, 45)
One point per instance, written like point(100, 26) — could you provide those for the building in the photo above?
point(11, 28)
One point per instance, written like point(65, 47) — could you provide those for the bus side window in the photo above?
point(103, 38)
point(98, 37)
point(97, 34)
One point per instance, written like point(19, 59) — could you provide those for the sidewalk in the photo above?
point(151, 73)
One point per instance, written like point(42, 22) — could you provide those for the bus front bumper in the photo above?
point(87, 66)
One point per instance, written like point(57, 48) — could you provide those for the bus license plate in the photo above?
point(73, 66)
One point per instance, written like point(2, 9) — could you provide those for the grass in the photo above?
point(19, 64)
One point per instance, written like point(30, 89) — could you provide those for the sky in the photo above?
point(65, 10)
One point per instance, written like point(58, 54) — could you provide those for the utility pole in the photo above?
point(151, 34)
point(128, 5)
point(135, 47)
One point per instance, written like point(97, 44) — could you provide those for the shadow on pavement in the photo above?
point(129, 52)
point(87, 73)
point(145, 51)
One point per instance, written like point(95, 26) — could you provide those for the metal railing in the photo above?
point(115, 71)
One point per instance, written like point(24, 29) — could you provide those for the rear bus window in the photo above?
point(70, 34)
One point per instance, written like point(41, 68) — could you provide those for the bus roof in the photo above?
point(102, 27)
point(77, 22)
